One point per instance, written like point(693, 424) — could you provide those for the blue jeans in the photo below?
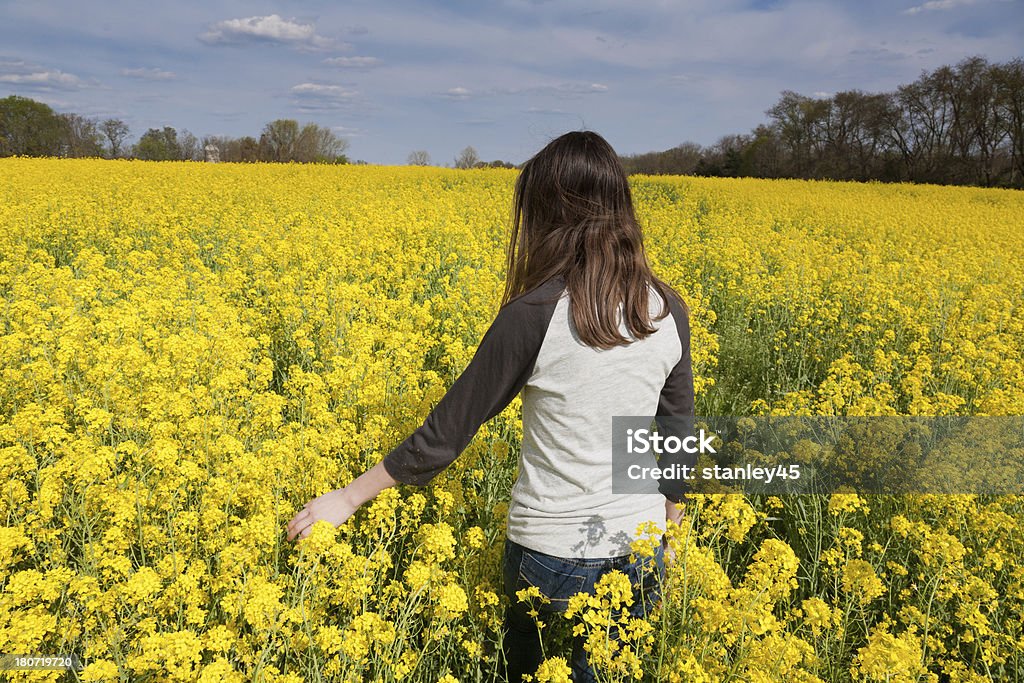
point(559, 578)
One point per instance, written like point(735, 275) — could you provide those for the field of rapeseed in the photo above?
point(190, 352)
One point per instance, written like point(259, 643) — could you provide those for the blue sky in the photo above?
point(503, 76)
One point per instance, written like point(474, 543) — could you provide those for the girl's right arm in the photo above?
point(677, 400)
point(676, 405)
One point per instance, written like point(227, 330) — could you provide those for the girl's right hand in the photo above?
point(334, 507)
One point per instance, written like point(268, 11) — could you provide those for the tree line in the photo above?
point(960, 125)
point(31, 128)
point(467, 158)
point(955, 125)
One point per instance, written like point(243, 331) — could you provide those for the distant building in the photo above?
point(212, 153)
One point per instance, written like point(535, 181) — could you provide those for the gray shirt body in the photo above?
point(562, 502)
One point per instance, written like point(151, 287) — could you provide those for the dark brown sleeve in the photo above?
point(677, 401)
point(501, 365)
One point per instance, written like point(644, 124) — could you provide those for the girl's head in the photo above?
point(573, 216)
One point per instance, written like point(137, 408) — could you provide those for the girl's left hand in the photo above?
point(333, 506)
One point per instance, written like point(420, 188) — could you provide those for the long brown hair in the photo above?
point(573, 217)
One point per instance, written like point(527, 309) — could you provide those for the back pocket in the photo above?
point(557, 581)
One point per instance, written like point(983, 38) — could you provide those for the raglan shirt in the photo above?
point(562, 502)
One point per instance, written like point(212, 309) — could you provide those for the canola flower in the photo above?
point(188, 351)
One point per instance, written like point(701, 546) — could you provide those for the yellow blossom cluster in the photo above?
point(190, 352)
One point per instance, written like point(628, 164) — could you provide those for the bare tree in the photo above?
point(680, 160)
point(928, 115)
point(284, 140)
point(981, 123)
point(764, 154)
point(1009, 79)
point(115, 131)
point(80, 136)
point(318, 144)
point(248, 149)
point(419, 157)
point(800, 122)
point(277, 143)
point(854, 134)
point(189, 148)
point(467, 158)
point(330, 147)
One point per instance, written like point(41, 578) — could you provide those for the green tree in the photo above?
point(29, 128)
point(158, 145)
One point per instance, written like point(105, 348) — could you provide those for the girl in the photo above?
point(585, 331)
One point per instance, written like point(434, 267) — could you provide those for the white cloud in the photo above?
point(153, 74)
point(685, 79)
point(55, 77)
point(938, 5)
point(944, 5)
point(458, 93)
point(271, 28)
point(547, 111)
point(20, 72)
point(348, 131)
point(560, 89)
point(322, 90)
point(555, 89)
point(353, 62)
point(327, 98)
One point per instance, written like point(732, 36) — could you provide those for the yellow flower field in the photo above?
point(190, 352)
